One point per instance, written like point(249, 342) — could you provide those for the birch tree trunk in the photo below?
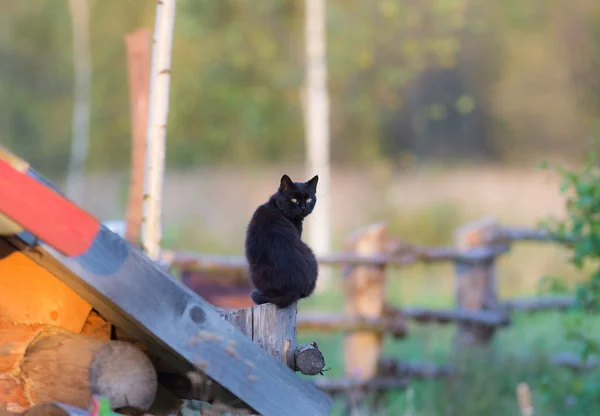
point(81, 106)
point(158, 112)
point(316, 110)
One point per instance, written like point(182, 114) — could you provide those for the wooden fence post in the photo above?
point(476, 280)
point(274, 329)
point(364, 296)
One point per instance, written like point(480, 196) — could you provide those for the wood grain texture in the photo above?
point(96, 326)
point(70, 368)
point(12, 394)
point(139, 296)
point(45, 213)
point(270, 327)
point(308, 359)
point(32, 295)
point(14, 340)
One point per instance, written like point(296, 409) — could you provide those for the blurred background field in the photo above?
point(440, 111)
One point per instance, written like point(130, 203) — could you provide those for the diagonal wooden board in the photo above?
point(29, 202)
point(129, 289)
point(136, 294)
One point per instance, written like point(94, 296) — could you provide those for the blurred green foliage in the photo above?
point(581, 226)
point(448, 78)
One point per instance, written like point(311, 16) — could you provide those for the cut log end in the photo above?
point(60, 366)
point(309, 359)
point(111, 378)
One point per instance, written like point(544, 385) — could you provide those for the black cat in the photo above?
point(283, 268)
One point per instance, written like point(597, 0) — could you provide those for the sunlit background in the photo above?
point(440, 111)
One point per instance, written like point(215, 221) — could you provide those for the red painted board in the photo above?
point(43, 212)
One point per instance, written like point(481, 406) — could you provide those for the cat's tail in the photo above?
point(282, 300)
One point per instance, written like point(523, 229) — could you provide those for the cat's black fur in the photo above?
point(283, 268)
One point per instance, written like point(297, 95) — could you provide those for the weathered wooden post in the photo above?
point(364, 296)
point(476, 279)
point(274, 329)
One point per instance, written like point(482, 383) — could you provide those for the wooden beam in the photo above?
point(165, 315)
point(539, 303)
point(509, 235)
point(462, 316)
point(337, 322)
point(407, 255)
point(45, 213)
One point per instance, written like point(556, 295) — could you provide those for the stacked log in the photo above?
point(41, 364)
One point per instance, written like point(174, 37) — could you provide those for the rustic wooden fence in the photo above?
point(367, 315)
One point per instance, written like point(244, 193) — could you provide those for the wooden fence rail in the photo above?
point(367, 316)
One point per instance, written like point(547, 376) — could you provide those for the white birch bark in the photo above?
point(316, 110)
point(75, 183)
point(158, 112)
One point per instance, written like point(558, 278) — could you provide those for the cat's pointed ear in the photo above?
point(286, 184)
point(312, 184)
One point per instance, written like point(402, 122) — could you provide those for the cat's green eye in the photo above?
point(308, 199)
point(294, 200)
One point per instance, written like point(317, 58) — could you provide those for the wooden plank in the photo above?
point(482, 318)
point(309, 321)
point(539, 303)
point(46, 214)
point(32, 295)
point(7, 226)
point(403, 255)
point(138, 295)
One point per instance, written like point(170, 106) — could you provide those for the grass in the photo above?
point(488, 381)
point(208, 212)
